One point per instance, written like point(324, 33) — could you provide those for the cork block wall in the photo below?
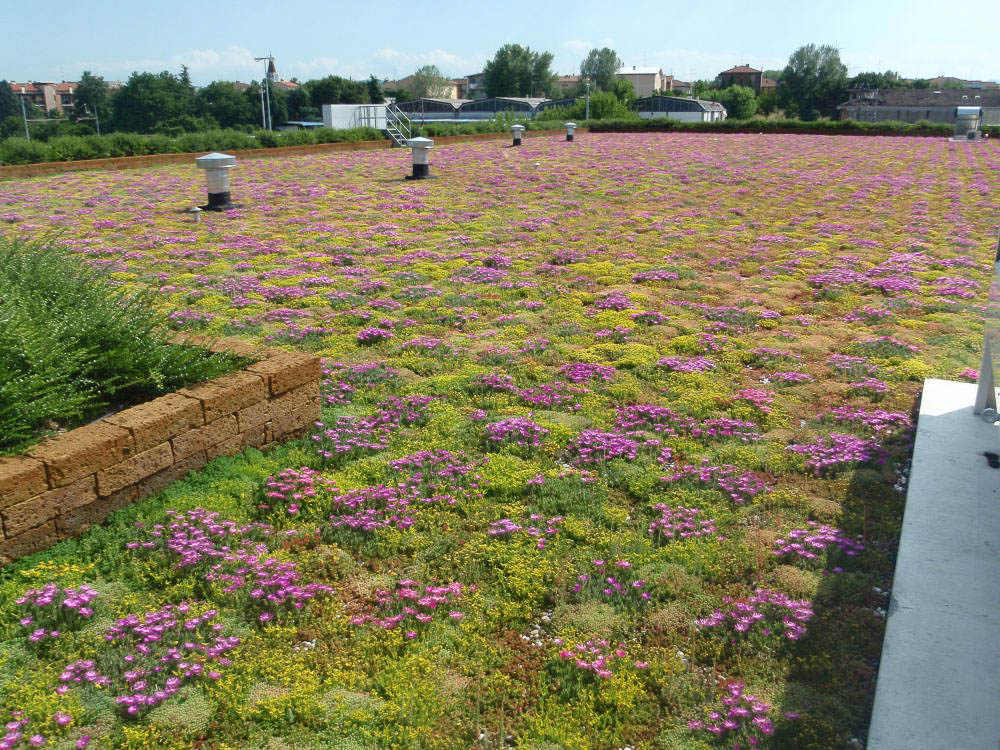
point(65, 484)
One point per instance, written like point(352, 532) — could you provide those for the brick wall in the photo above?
point(66, 483)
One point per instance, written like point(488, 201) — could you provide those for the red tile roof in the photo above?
point(741, 69)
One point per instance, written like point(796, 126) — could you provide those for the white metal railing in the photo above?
point(986, 395)
point(366, 116)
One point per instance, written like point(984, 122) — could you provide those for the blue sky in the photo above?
point(218, 39)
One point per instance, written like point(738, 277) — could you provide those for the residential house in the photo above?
point(911, 105)
point(958, 83)
point(744, 75)
point(51, 98)
point(678, 86)
point(567, 85)
point(475, 86)
point(645, 80)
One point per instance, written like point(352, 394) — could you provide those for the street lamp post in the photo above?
point(265, 93)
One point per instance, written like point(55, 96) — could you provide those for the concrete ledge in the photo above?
point(71, 481)
point(939, 679)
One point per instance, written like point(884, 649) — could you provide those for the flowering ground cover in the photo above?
point(614, 451)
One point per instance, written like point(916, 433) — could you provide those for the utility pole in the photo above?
point(587, 116)
point(24, 116)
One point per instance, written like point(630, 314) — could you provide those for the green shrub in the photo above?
point(72, 344)
point(72, 148)
point(758, 125)
point(127, 144)
point(22, 151)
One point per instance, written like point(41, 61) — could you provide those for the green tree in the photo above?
point(702, 89)
point(427, 82)
point(300, 105)
point(225, 103)
point(603, 105)
point(767, 102)
point(152, 102)
point(9, 104)
point(92, 97)
point(740, 101)
point(874, 80)
point(600, 66)
point(814, 82)
point(335, 90)
point(624, 91)
point(375, 95)
point(324, 90)
point(518, 71)
point(399, 95)
point(279, 103)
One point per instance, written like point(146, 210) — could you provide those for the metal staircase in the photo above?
point(387, 117)
point(397, 124)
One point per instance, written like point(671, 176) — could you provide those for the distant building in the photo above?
point(569, 101)
point(277, 81)
point(475, 86)
point(645, 80)
point(567, 85)
point(959, 83)
point(681, 87)
point(431, 109)
point(52, 98)
point(744, 75)
point(484, 109)
point(449, 89)
point(911, 105)
point(679, 108)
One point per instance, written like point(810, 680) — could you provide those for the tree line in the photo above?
point(170, 104)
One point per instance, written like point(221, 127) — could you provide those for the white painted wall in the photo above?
point(354, 116)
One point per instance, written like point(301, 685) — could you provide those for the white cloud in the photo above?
point(578, 45)
point(237, 63)
point(205, 65)
point(396, 64)
point(691, 64)
point(319, 67)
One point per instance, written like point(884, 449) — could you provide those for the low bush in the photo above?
point(759, 125)
point(82, 147)
point(72, 345)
